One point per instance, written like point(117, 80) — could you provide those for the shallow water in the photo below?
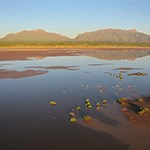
point(28, 121)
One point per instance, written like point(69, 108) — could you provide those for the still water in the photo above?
point(28, 121)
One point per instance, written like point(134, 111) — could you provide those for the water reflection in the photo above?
point(27, 119)
point(117, 54)
point(30, 54)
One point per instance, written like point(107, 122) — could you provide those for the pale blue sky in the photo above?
point(70, 17)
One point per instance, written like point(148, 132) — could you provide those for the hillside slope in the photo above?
point(114, 35)
point(34, 36)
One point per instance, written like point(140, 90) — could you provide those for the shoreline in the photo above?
point(74, 48)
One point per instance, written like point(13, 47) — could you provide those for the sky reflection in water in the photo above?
point(91, 73)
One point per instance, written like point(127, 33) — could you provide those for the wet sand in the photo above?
point(137, 136)
point(56, 67)
point(99, 64)
point(127, 68)
point(13, 74)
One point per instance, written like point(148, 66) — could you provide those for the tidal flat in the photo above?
point(114, 83)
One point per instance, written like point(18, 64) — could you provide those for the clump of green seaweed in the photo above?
point(88, 105)
point(136, 110)
point(117, 76)
point(137, 74)
point(133, 105)
point(143, 110)
point(122, 101)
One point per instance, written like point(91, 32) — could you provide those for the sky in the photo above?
point(71, 17)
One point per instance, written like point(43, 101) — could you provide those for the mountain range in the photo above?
point(34, 36)
point(103, 35)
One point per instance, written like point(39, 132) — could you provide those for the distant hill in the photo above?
point(34, 36)
point(100, 36)
point(114, 35)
